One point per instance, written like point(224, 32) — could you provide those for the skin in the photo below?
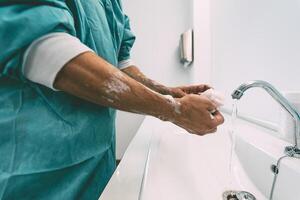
point(176, 92)
point(91, 78)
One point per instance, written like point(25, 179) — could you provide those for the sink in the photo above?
point(164, 162)
point(257, 150)
point(183, 166)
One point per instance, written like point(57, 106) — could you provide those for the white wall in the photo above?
point(157, 25)
point(256, 39)
point(202, 41)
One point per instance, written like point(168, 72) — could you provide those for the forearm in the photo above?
point(136, 74)
point(91, 78)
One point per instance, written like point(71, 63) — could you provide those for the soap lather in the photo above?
point(216, 97)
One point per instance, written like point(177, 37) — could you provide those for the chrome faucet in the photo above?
point(239, 92)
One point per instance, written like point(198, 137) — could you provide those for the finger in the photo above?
point(218, 118)
point(200, 88)
point(189, 89)
point(213, 130)
point(178, 93)
point(209, 105)
point(208, 131)
point(195, 89)
point(202, 133)
point(203, 88)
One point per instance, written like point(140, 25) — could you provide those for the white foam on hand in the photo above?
point(215, 96)
point(176, 105)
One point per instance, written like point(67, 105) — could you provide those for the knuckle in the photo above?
point(222, 120)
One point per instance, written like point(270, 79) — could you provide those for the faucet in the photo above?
point(239, 92)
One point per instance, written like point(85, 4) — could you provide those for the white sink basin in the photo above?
point(257, 149)
point(188, 167)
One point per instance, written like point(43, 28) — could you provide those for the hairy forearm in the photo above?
point(93, 79)
point(136, 74)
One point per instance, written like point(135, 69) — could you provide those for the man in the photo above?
point(59, 89)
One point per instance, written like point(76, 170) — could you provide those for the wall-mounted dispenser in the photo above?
point(187, 47)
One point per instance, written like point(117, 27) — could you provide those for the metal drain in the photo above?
point(237, 195)
point(230, 195)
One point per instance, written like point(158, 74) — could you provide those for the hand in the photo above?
point(194, 89)
point(178, 92)
point(175, 92)
point(196, 115)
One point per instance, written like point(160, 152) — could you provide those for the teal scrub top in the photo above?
point(54, 145)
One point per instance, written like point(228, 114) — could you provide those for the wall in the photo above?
point(202, 42)
point(235, 41)
point(157, 25)
point(256, 39)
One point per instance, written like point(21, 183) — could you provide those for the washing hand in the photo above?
point(195, 114)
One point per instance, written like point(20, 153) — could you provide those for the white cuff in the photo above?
point(46, 56)
point(125, 63)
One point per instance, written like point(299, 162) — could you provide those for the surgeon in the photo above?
point(64, 68)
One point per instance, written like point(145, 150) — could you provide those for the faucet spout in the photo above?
point(239, 92)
